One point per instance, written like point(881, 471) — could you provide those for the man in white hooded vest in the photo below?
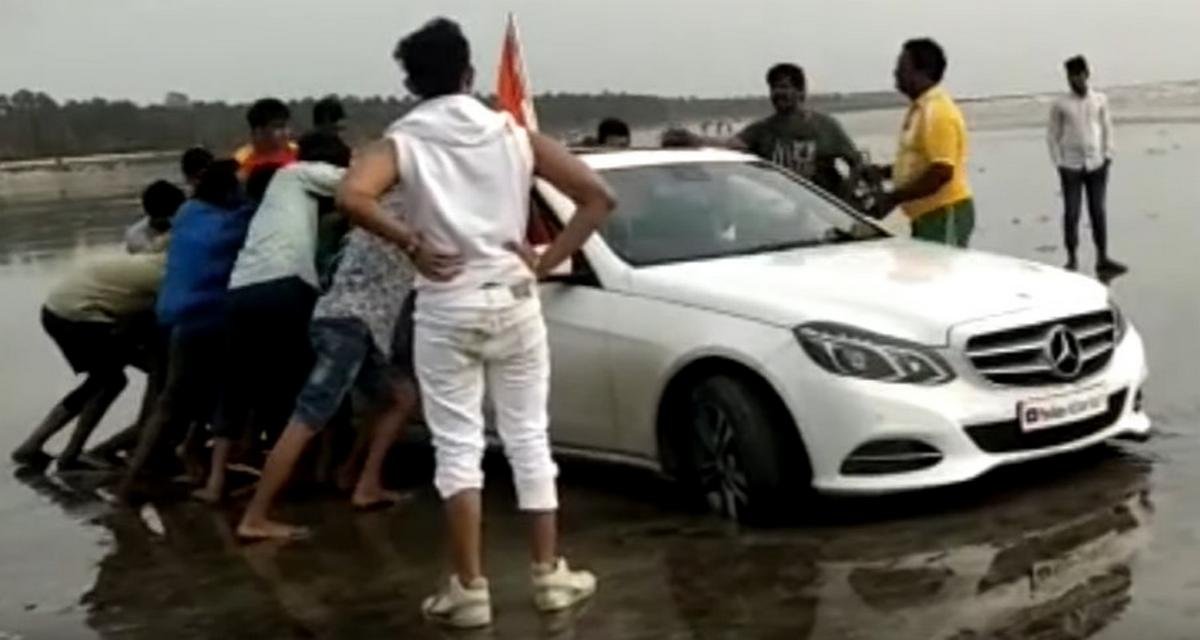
point(463, 173)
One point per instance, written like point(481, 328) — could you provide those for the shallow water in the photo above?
point(1099, 545)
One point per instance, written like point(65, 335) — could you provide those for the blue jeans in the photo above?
point(346, 359)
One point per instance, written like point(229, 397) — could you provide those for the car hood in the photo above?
point(899, 287)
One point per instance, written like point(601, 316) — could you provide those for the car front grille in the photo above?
point(1018, 357)
point(1007, 436)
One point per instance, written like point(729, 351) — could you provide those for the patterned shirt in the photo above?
point(372, 280)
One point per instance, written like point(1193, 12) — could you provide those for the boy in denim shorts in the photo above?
point(361, 333)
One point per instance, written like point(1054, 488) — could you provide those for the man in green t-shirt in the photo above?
point(797, 138)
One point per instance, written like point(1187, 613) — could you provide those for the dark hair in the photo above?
point(320, 146)
point(162, 199)
point(1076, 65)
point(265, 111)
point(927, 57)
point(219, 184)
point(435, 57)
point(327, 111)
point(194, 162)
point(258, 181)
point(611, 128)
point(787, 71)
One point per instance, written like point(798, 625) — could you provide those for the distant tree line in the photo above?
point(34, 125)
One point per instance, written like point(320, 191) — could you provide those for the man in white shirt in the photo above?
point(464, 173)
point(1081, 146)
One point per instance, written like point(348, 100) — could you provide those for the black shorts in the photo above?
point(86, 346)
point(269, 355)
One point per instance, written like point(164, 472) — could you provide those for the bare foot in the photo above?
point(207, 495)
point(80, 463)
point(270, 530)
point(32, 459)
point(368, 500)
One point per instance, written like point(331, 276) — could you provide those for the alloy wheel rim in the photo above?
point(718, 469)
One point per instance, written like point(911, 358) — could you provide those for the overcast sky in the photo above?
point(240, 49)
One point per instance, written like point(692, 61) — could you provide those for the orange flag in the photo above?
point(513, 93)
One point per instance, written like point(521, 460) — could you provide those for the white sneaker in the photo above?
point(460, 607)
point(556, 587)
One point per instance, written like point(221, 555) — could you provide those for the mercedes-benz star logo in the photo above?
point(1063, 352)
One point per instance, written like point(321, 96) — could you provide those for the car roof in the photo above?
point(602, 159)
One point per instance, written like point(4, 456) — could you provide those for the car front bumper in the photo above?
point(973, 424)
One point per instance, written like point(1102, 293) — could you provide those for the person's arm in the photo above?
point(1106, 124)
point(373, 173)
point(926, 184)
point(320, 178)
point(593, 199)
point(941, 139)
point(846, 149)
point(1054, 135)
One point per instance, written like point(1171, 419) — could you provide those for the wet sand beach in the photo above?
point(1100, 544)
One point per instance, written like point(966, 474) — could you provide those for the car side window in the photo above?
point(701, 210)
point(544, 226)
point(541, 229)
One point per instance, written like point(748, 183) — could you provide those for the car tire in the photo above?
point(742, 454)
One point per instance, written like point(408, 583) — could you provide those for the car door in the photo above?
point(578, 312)
point(577, 315)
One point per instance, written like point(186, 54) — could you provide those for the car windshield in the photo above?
point(697, 210)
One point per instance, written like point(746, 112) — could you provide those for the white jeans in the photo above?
point(462, 341)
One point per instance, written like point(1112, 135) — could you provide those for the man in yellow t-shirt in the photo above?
point(930, 172)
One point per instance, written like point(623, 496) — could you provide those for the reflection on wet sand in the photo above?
point(1048, 557)
point(1039, 565)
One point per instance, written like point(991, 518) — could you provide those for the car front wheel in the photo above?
point(743, 454)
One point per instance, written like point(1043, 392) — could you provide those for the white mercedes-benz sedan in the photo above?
point(742, 332)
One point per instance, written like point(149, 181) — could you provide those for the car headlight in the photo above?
point(1120, 323)
point(852, 352)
